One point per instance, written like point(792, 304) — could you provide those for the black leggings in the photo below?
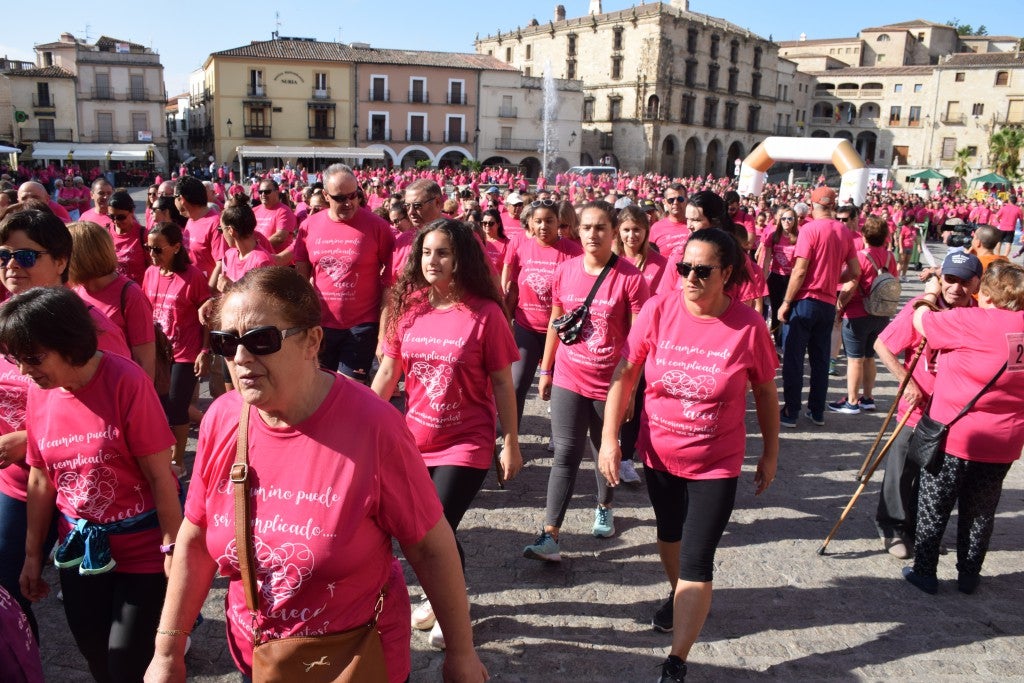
point(114, 617)
point(572, 417)
point(711, 502)
point(183, 383)
point(629, 431)
point(531, 350)
point(777, 285)
point(457, 486)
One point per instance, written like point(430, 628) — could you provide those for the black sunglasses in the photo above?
point(26, 258)
point(153, 250)
point(673, 200)
point(35, 359)
point(340, 198)
point(416, 206)
point(485, 223)
point(118, 217)
point(267, 191)
point(259, 341)
point(703, 272)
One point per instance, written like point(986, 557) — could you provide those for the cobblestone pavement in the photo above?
point(780, 609)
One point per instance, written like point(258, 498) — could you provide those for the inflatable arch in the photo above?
point(836, 151)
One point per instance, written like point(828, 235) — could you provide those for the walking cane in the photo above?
point(892, 409)
point(864, 482)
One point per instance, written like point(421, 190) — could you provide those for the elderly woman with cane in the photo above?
point(983, 354)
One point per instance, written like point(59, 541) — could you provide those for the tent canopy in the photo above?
point(929, 174)
point(991, 178)
point(79, 151)
point(4, 149)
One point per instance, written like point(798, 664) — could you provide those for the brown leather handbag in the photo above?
point(353, 656)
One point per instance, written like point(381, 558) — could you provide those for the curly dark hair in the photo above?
point(473, 273)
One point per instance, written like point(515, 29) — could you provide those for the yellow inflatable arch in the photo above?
point(836, 151)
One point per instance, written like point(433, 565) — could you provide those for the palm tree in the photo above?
point(1005, 146)
point(962, 167)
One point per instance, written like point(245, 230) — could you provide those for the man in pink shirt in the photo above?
point(274, 219)
point(671, 233)
point(1006, 220)
point(100, 211)
point(34, 190)
point(809, 306)
point(510, 215)
point(201, 235)
point(346, 253)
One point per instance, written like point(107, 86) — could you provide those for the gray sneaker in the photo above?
point(544, 548)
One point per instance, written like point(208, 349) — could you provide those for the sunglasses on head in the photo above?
point(702, 272)
point(259, 341)
point(34, 359)
point(546, 203)
point(341, 198)
point(26, 258)
point(153, 250)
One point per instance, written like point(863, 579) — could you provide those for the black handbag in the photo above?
point(928, 442)
point(569, 326)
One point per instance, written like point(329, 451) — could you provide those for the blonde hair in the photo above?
point(1003, 283)
point(92, 252)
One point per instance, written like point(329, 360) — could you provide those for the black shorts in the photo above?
point(1007, 236)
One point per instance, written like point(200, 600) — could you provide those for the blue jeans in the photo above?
point(809, 332)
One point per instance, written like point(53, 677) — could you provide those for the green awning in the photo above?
point(992, 178)
point(929, 174)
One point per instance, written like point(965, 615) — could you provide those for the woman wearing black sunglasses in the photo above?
point(337, 477)
point(698, 348)
point(177, 290)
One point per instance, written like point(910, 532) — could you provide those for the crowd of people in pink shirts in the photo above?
point(645, 308)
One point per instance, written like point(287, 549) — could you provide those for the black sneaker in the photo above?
point(662, 620)
point(672, 669)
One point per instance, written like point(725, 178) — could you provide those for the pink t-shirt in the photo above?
point(400, 256)
point(670, 237)
point(586, 368)
point(235, 266)
point(136, 321)
point(109, 336)
point(87, 442)
point(783, 256)
point(324, 517)
point(270, 221)
point(13, 395)
point(532, 266)
point(654, 269)
point(448, 356)
point(495, 250)
point(976, 342)
point(102, 219)
point(204, 242)
point(176, 299)
point(131, 257)
point(886, 261)
point(513, 227)
point(827, 245)
point(1007, 216)
point(697, 371)
point(351, 265)
point(908, 235)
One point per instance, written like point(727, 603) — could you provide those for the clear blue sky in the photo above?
point(185, 32)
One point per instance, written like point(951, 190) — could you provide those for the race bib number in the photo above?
point(1015, 347)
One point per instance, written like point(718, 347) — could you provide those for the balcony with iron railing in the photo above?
point(508, 112)
point(46, 134)
point(378, 135)
point(417, 136)
point(43, 101)
point(257, 131)
point(455, 136)
point(320, 94)
point(321, 132)
point(379, 95)
point(456, 98)
point(419, 97)
point(129, 95)
point(253, 90)
point(954, 119)
point(105, 137)
point(517, 144)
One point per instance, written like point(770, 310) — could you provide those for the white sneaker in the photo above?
point(436, 638)
point(627, 472)
point(423, 616)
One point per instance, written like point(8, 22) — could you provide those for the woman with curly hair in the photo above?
point(447, 331)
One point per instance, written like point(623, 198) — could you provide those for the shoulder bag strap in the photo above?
point(243, 529)
point(600, 278)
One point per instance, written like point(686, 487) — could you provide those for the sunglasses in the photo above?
point(118, 217)
point(26, 258)
point(703, 272)
point(153, 250)
point(486, 223)
point(416, 206)
point(673, 200)
point(953, 280)
point(788, 218)
point(34, 360)
point(546, 203)
point(259, 341)
point(342, 198)
point(266, 191)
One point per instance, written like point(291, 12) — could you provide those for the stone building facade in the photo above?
point(665, 89)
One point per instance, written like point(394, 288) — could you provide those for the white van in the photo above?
point(596, 170)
